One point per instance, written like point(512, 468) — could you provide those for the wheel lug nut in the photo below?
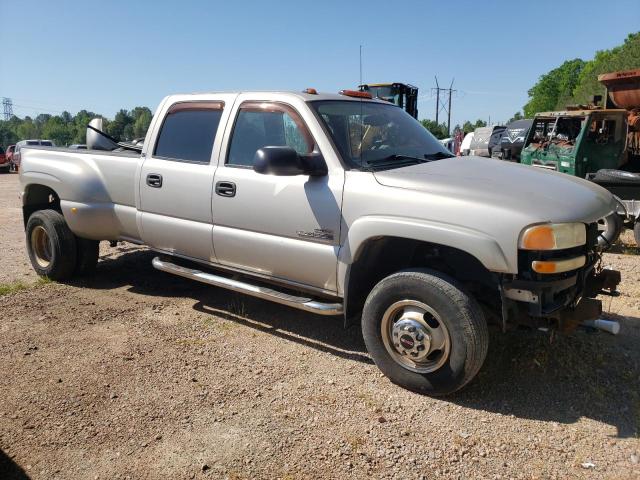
point(419, 337)
point(420, 348)
point(412, 329)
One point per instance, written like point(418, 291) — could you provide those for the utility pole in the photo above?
point(441, 105)
point(7, 106)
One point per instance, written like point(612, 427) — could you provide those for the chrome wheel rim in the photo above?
point(41, 246)
point(415, 336)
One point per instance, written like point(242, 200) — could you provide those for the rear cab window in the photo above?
point(188, 131)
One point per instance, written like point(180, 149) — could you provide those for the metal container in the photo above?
point(623, 88)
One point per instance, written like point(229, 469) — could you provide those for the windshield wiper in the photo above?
point(393, 158)
point(438, 155)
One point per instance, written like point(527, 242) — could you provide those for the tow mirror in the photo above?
point(285, 161)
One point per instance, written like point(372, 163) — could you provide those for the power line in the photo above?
point(7, 106)
point(442, 104)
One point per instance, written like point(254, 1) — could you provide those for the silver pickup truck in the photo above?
point(336, 204)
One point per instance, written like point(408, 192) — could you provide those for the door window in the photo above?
point(263, 124)
point(188, 131)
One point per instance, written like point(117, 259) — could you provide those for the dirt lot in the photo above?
point(138, 374)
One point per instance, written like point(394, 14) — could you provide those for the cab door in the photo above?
point(282, 227)
point(177, 177)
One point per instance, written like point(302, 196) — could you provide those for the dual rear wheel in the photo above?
point(55, 252)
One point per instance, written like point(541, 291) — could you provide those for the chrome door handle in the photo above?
point(154, 180)
point(226, 189)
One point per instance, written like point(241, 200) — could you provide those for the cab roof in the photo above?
point(307, 97)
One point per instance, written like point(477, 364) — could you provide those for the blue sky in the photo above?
point(106, 55)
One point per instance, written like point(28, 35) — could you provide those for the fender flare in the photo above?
point(476, 243)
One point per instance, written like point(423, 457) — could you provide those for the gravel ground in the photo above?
point(138, 374)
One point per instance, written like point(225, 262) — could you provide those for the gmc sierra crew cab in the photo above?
point(336, 204)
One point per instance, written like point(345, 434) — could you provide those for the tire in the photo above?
point(636, 233)
point(450, 313)
point(51, 245)
point(617, 176)
point(87, 256)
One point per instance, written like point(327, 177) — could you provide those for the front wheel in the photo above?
point(425, 332)
point(636, 232)
point(51, 245)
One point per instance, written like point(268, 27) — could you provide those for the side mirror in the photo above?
point(285, 161)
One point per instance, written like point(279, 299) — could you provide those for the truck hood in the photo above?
point(537, 193)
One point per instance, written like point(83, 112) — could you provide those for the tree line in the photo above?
point(66, 129)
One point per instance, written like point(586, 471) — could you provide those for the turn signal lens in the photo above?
point(558, 266)
point(553, 236)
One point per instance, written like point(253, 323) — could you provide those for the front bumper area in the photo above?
point(561, 303)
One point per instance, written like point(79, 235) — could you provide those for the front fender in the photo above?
point(478, 244)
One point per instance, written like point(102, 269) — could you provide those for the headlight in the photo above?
point(553, 236)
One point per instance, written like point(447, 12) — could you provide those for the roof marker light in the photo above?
point(355, 93)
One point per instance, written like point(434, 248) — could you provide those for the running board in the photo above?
point(300, 303)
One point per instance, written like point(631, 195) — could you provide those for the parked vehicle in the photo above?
point(512, 140)
point(481, 138)
point(448, 143)
point(4, 161)
point(17, 154)
point(401, 94)
point(496, 137)
point(601, 144)
point(9, 155)
point(77, 146)
point(337, 205)
point(465, 146)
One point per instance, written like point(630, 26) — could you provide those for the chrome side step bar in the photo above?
point(300, 303)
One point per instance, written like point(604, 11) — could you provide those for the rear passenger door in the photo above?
point(176, 178)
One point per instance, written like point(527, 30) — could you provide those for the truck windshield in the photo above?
point(371, 135)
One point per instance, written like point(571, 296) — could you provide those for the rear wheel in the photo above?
point(51, 245)
point(425, 332)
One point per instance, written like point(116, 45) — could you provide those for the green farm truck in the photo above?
point(600, 143)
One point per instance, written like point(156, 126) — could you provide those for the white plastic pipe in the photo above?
point(606, 325)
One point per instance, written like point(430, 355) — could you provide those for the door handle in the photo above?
point(226, 189)
point(154, 180)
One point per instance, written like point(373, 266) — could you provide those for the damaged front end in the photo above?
point(563, 300)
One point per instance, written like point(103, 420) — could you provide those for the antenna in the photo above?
point(360, 65)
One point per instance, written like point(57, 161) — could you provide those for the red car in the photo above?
point(4, 161)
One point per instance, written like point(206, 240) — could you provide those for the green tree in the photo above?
point(554, 89)
point(142, 117)
point(516, 116)
point(623, 57)
point(468, 127)
point(117, 127)
point(57, 130)
point(438, 131)
point(27, 129)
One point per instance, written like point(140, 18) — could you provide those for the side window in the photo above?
point(260, 124)
point(188, 131)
